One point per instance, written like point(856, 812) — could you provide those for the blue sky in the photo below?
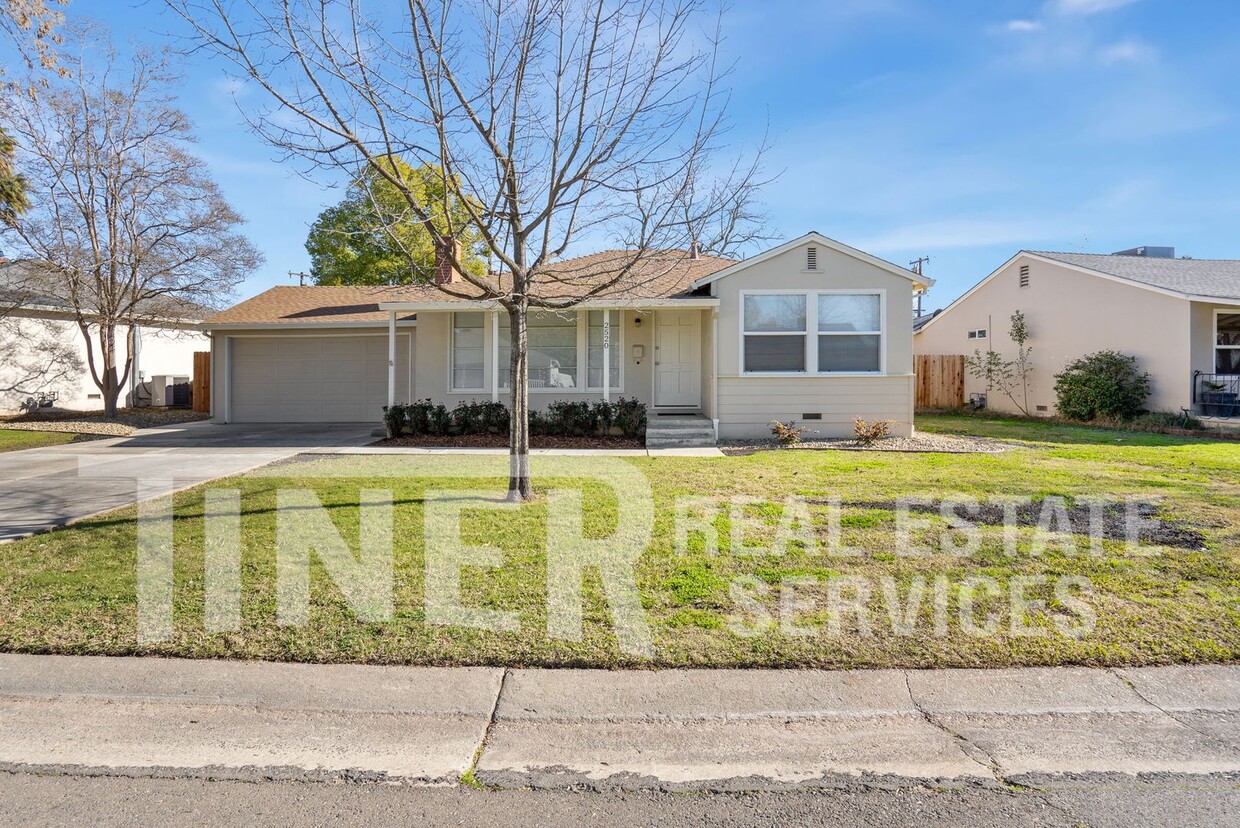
point(959, 129)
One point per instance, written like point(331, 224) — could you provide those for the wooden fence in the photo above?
point(201, 389)
point(940, 380)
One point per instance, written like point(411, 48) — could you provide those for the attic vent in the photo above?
point(811, 258)
point(1024, 275)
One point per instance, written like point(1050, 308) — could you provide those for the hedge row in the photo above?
point(624, 417)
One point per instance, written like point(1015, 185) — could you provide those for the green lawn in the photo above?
point(15, 439)
point(73, 590)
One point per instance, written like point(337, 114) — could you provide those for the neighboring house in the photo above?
point(813, 331)
point(32, 321)
point(1179, 317)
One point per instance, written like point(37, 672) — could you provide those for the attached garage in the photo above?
point(291, 378)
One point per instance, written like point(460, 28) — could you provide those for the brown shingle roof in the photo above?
point(661, 276)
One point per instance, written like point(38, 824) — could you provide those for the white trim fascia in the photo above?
point(816, 238)
point(1110, 277)
point(589, 304)
point(65, 315)
point(303, 326)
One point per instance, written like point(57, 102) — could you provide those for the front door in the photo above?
point(678, 359)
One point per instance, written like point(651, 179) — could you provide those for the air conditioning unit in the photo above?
point(164, 390)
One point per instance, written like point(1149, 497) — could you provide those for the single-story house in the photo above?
point(1179, 317)
point(812, 330)
point(34, 321)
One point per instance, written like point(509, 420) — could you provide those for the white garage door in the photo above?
point(315, 379)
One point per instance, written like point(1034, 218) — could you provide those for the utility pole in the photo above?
point(916, 265)
point(301, 277)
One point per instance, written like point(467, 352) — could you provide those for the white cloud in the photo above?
point(1024, 26)
point(1127, 51)
point(1086, 7)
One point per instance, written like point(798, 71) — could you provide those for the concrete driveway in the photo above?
point(48, 487)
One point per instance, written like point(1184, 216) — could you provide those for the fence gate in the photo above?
point(201, 389)
point(940, 380)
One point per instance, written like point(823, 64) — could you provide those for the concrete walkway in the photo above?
point(48, 487)
point(716, 729)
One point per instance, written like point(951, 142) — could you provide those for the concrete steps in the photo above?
point(679, 431)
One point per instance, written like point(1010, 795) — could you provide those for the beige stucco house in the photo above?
point(1179, 317)
point(35, 324)
point(812, 330)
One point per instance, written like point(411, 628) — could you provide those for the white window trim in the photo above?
point(811, 332)
point(1218, 312)
point(490, 356)
point(452, 388)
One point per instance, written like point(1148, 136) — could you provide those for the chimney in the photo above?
point(695, 251)
point(445, 250)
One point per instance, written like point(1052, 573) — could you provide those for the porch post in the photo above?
point(391, 358)
point(494, 356)
point(606, 356)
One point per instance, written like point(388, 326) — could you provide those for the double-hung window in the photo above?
point(850, 332)
point(815, 332)
point(775, 333)
point(1227, 343)
point(594, 345)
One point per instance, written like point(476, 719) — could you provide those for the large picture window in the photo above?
point(552, 350)
point(1227, 343)
point(816, 332)
point(775, 333)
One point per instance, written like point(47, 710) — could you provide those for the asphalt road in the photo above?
point(1100, 802)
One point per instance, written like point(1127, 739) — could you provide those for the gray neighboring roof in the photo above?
point(1214, 278)
point(27, 284)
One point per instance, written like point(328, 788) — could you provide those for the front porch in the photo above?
point(659, 352)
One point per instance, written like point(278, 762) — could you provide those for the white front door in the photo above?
point(678, 359)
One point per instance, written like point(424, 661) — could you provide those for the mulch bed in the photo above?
point(501, 441)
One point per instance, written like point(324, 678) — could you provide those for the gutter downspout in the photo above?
point(714, 370)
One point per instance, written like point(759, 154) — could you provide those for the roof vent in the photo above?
point(1148, 252)
point(811, 258)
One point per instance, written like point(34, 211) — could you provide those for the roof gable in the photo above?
point(814, 237)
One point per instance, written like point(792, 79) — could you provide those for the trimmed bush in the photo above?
point(1102, 385)
point(563, 418)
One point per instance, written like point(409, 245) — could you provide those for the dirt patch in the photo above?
point(501, 441)
point(1112, 519)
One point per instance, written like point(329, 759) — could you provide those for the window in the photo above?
point(467, 351)
point(849, 332)
point(552, 350)
point(594, 359)
point(980, 333)
point(1227, 343)
point(1024, 276)
point(774, 333)
point(845, 331)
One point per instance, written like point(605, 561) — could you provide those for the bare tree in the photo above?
point(124, 216)
point(554, 120)
point(32, 25)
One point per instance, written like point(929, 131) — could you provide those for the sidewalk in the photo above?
point(729, 729)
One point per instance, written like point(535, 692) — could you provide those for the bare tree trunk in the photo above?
point(519, 487)
point(111, 384)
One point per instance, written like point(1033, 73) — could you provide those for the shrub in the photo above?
point(572, 418)
point(868, 433)
point(630, 416)
point(495, 417)
point(467, 418)
point(394, 419)
point(1102, 385)
point(787, 434)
